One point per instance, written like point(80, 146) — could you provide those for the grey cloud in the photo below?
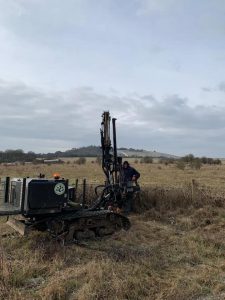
point(175, 113)
point(48, 21)
point(68, 116)
point(41, 121)
point(221, 86)
point(149, 98)
point(53, 13)
point(207, 89)
point(148, 6)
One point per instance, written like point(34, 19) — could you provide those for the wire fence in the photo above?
point(85, 192)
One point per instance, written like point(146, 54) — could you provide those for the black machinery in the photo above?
point(115, 191)
point(50, 204)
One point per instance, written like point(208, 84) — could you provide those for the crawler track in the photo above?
point(83, 225)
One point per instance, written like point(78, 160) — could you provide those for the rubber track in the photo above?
point(70, 216)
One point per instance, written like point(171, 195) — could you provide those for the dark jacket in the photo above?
point(129, 172)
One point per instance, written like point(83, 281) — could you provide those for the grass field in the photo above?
point(175, 249)
point(151, 174)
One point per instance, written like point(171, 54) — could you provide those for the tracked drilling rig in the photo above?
point(49, 204)
point(116, 191)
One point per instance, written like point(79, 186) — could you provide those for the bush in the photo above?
point(146, 160)
point(81, 161)
point(217, 162)
point(188, 158)
point(180, 164)
point(196, 164)
point(166, 161)
point(196, 161)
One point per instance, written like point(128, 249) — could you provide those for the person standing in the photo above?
point(129, 175)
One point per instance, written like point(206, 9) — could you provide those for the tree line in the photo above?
point(17, 155)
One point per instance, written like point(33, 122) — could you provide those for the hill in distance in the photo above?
point(142, 153)
point(93, 151)
point(90, 151)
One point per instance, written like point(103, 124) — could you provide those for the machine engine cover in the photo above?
point(46, 196)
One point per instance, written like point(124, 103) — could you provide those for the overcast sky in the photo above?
point(157, 65)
